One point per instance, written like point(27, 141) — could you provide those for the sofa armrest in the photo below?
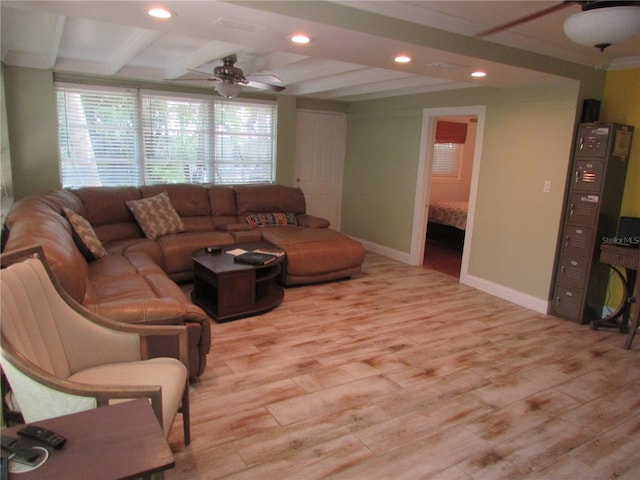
point(310, 221)
point(152, 311)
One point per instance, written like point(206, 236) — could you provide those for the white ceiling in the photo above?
point(118, 38)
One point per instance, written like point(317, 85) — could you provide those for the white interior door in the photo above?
point(319, 162)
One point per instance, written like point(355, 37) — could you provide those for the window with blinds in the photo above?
point(176, 138)
point(97, 136)
point(244, 142)
point(447, 150)
point(118, 136)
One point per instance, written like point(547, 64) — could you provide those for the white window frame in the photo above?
point(262, 130)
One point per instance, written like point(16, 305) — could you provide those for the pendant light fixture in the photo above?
point(601, 24)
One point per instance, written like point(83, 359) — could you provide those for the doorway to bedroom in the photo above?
point(452, 152)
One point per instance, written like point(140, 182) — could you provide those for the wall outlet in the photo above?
point(547, 186)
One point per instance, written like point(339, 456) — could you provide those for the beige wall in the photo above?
point(527, 136)
point(32, 130)
point(33, 133)
point(6, 177)
point(527, 139)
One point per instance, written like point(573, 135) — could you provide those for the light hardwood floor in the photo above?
point(403, 373)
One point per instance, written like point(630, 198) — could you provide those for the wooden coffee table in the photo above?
point(227, 290)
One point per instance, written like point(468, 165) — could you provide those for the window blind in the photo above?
point(120, 136)
point(451, 132)
point(176, 138)
point(446, 161)
point(97, 136)
point(244, 142)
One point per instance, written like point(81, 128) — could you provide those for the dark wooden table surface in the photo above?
point(122, 441)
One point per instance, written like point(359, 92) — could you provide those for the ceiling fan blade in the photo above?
point(266, 77)
point(205, 74)
point(264, 86)
point(525, 19)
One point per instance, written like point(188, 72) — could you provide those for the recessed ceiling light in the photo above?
point(160, 12)
point(300, 38)
point(402, 59)
point(479, 74)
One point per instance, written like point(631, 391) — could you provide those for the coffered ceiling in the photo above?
point(350, 56)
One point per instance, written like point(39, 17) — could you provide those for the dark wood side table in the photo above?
point(628, 258)
point(121, 441)
point(227, 290)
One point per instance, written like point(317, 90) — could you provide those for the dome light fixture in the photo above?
point(601, 25)
point(228, 89)
point(402, 59)
point(479, 74)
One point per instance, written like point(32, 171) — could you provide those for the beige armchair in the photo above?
point(60, 358)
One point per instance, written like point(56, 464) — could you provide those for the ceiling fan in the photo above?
point(599, 24)
point(230, 79)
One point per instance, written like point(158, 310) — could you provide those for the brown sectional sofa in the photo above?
point(136, 281)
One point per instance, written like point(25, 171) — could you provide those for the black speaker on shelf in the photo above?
point(590, 110)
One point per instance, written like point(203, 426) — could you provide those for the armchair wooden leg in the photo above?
point(186, 416)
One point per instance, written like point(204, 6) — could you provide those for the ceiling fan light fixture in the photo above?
point(600, 27)
point(228, 89)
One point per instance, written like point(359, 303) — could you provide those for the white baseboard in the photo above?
point(385, 251)
point(514, 296)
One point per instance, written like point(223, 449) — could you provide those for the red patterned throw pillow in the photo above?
point(271, 219)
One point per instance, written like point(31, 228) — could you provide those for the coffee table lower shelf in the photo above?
point(227, 290)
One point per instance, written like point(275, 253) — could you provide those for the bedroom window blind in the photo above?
point(447, 150)
point(126, 136)
point(451, 132)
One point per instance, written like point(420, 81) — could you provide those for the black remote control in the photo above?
point(42, 435)
point(19, 449)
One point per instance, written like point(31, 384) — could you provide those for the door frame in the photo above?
point(423, 184)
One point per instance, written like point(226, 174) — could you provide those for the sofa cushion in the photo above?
point(178, 249)
point(189, 200)
point(156, 215)
point(268, 198)
point(84, 235)
point(223, 204)
point(275, 219)
point(105, 205)
point(312, 252)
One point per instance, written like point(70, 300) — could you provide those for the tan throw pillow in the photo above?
point(84, 235)
point(156, 216)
